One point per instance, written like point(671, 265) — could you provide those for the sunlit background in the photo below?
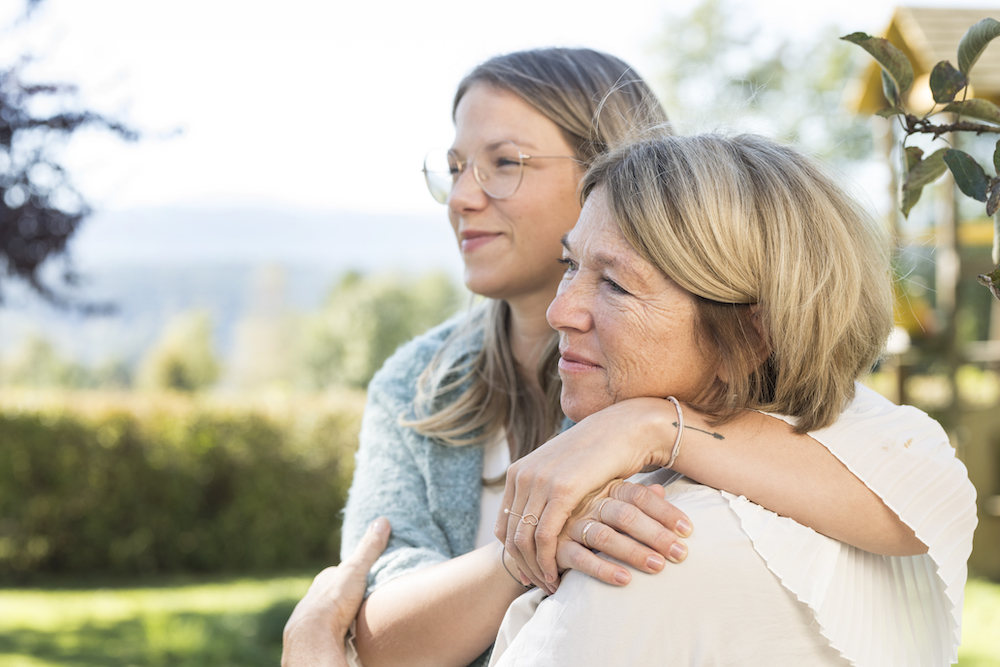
point(269, 240)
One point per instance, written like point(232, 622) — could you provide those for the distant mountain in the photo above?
point(184, 236)
point(154, 263)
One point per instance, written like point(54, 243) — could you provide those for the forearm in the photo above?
point(791, 474)
point(446, 614)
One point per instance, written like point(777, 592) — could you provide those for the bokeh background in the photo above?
point(180, 393)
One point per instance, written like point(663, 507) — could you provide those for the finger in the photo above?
point(654, 506)
point(574, 556)
point(550, 525)
point(633, 551)
point(524, 541)
point(500, 528)
point(513, 520)
point(638, 528)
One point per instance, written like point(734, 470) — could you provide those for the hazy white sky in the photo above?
point(314, 104)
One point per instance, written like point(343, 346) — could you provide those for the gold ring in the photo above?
point(600, 508)
point(583, 535)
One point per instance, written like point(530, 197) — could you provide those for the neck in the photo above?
point(529, 332)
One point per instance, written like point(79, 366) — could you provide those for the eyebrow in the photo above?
point(604, 259)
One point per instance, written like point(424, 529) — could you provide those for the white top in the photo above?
point(872, 610)
point(496, 460)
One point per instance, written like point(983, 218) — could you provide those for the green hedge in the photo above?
point(201, 491)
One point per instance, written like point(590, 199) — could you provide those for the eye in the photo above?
point(615, 287)
point(568, 263)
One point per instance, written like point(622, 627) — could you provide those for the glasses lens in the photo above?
point(440, 170)
point(498, 168)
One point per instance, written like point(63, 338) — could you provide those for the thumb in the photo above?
point(371, 546)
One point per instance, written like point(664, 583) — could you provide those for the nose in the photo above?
point(570, 310)
point(466, 194)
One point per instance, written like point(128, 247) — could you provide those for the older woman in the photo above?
point(733, 275)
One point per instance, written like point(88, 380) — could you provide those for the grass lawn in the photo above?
point(232, 622)
point(216, 623)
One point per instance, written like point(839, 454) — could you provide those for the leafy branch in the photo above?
point(945, 83)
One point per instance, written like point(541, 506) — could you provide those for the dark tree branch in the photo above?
point(914, 125)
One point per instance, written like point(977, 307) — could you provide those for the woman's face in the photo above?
point(511, 246)
point(625, 329)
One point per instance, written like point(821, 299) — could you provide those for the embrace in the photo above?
point(648, 444)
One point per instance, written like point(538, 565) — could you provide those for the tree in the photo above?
point(39, 208)
point(716, 69)
point(964, 115)
point(183, 359)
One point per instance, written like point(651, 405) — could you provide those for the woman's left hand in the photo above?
point(568, 477)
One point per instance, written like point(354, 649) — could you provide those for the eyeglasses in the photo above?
point(498, 168)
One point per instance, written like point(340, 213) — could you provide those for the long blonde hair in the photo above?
point(792, 275)
point(596, 100)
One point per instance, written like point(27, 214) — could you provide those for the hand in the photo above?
point(598, 521)
point(546, 487)
point(314, 634)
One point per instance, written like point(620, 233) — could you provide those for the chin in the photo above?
point(577, 408)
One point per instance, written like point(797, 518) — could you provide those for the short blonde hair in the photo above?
point(792, 274)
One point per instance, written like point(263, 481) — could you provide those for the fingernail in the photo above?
point(678, 551)
point(622, 577)
point(379, 526)
point(549, 577)
point(655, 562)
point(683, 528)
point(524, 580)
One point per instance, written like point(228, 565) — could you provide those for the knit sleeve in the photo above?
point(882, 610)
point(392, 471)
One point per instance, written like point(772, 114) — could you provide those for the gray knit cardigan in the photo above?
point(429, 492)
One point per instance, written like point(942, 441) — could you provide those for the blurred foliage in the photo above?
point(183, 359)
point(36, 363)
point(39, 208)
point(366, 318)
point(168, 484)
point(720, 70)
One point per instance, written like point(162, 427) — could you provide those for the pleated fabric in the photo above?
point(882, 610)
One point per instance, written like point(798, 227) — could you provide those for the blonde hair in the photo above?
point(596, 100)
point(792, 274)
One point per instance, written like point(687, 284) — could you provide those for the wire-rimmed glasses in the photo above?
point(497, 166)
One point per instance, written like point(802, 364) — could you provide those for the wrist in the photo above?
point(660, 431)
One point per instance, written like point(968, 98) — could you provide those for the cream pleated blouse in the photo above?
point(760, 589)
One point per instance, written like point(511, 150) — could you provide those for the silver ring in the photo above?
point(583, 535)
point(600, 508)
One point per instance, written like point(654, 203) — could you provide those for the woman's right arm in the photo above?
point(446, 614)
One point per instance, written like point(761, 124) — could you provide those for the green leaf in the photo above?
point(991, 280)
point(909, 195)
point(976, 108)
point(893, 61)
point(926, 171)
point(945, 82)
point(974, 42)
point(890, 90)
point(969, 176)
point(890, 112)
point(996, 162)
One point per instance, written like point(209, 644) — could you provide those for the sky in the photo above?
point(309, 104)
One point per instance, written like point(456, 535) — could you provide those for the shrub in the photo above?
point(202, 489)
